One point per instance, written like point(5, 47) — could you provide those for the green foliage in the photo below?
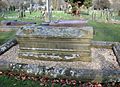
point(88, 3)
point(72, 1)
point(6, 81)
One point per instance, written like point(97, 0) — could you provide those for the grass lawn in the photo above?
point(2, 18)
point(60, 15)
point(103, 31)
point(37, 16)
point(106, 31)
point(5, 36)
point(34, 17)
point(6, 81)
point(117, 17)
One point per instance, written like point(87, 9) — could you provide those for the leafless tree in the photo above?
point(116, 6)
point(2, 4)
point(101, 4)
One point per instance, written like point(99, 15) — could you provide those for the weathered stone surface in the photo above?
point(56, 32)
point(68, 23)
point(6, 46)
point(55, 43)
point(116, 50)
point(103, 44)
point(9, 28)
point(62, 72)
point(4, 65)
point(14, 23)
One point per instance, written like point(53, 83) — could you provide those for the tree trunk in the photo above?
point(119, 13)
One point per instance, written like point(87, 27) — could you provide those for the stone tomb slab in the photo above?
point(55, 43)
point(68, 23)
point(14, 23)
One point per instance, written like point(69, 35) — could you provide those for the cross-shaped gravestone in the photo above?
point(48, 11)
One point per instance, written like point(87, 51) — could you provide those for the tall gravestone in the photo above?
point(48, 11)
point(55, 43)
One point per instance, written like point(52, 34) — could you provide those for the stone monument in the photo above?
point(55, 43)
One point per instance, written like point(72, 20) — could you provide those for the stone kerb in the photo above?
point(9, 28)
point(14, 23)
point(61, 72)
point(6, 46)
point(103, 44)
point(116, 50)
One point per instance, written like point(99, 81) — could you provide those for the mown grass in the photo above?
point(6, 81)
point(106, 31)
point(1, 18)
point(34, 17)
point(117, 17)
point(37, 17)
point(5, 36)
point(60, 15)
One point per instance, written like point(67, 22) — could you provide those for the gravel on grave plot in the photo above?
point(102, 59)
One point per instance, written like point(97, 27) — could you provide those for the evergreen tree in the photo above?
point(88, 3)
